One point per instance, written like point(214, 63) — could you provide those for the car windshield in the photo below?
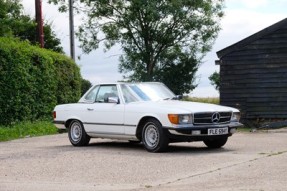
point(146, 92)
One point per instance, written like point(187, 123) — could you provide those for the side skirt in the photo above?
point(112, 136)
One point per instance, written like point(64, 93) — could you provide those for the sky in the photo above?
point(242, 19)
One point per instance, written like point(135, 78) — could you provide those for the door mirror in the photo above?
point(113, 100)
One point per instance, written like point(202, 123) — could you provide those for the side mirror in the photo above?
point(113, 100)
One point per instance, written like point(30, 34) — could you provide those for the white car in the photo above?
point(144, 112)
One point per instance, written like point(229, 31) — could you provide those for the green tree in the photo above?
point(161, 40)
point(215, 80)
point(9, 10)
point(86, 84)
point(15, 24)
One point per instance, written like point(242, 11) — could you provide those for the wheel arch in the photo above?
point(68, 122)
point(141, 123)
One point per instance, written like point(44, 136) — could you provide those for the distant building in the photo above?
point(253, 74)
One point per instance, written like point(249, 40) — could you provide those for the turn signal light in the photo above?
point(173, 118)
point(180, 118)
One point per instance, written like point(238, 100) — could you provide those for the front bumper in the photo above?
point(200, 132)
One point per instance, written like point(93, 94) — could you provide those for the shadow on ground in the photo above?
point(116, 146)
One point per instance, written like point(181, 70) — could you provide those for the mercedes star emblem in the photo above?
point(215, 118)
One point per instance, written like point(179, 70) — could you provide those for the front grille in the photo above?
point(212, 118)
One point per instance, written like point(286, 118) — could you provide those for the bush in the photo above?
point(86, 85)
point(33, 81)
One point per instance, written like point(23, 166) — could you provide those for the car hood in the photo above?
point(185, 106)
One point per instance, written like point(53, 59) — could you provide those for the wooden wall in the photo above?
point(254, 77)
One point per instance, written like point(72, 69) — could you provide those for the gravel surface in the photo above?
point(249, 162)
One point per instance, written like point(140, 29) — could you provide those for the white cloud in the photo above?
point(250, 3)
point(239, 24)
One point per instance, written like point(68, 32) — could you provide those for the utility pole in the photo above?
point(72, 39)
point(39, 20)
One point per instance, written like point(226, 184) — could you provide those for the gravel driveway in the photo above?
point(249, 161)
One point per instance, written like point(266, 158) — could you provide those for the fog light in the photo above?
point(196, 132)
point(232, 131)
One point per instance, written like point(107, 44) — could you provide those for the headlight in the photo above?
point(180, 118)
point(235, 116)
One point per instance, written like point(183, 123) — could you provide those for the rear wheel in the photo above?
point(154, 136)
point(215, 143)
point(77, 134)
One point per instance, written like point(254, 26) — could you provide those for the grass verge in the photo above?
point(213, 100)
point(27, 129)
point(244, 129)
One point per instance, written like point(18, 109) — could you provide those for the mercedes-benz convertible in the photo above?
point(144, 112)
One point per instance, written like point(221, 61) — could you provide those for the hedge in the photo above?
point(33, 81)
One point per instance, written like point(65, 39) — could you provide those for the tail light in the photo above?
point(54, 114)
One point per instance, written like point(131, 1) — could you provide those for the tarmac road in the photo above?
point(248, 162)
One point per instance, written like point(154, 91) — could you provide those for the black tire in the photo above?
point(77, 134)
point(215, 143)
point(154, 137)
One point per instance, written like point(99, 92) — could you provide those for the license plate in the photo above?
point(218, 131)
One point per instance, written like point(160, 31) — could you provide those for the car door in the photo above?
point(104, 116)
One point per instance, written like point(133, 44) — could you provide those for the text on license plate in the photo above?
point(218, 131)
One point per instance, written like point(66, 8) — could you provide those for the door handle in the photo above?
point(90, 109)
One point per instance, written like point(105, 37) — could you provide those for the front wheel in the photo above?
point(215, 143)
point(77, 134)
point(154, 136)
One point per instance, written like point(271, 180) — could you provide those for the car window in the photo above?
point(128, 96)
point(91, 96)
point(105, 92)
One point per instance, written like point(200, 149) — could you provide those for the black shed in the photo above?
point(253, 74)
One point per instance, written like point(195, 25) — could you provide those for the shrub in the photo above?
point(33, 81)
point(86, 85)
